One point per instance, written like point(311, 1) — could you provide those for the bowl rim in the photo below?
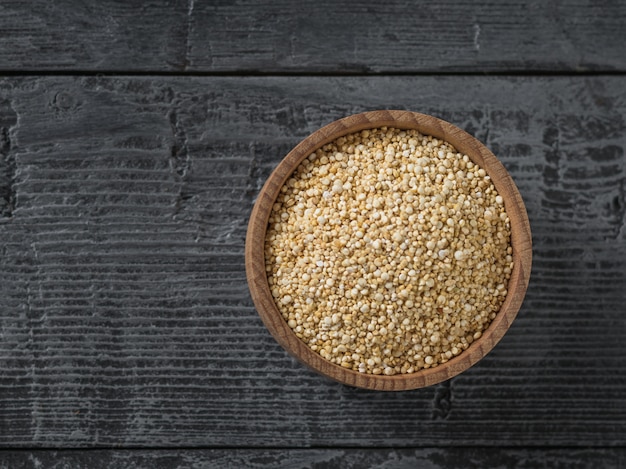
point(463, 142)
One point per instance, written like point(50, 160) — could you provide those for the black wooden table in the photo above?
point(134, 137)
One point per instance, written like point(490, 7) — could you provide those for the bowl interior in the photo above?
point(464, 143)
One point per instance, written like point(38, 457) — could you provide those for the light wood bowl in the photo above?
point(464, 143)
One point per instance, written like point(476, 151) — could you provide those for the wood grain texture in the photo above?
point(423, 458)
point(521, 242)
point(124, 313)
point(94, 35)
point(318, 36)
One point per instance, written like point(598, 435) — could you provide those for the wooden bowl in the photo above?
point(464, 143)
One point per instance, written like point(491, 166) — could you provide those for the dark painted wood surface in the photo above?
point(126, 320)
point(424, 458)
point(314, 36)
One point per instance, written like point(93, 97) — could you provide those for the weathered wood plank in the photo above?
point(426, 458)
point(318, 36)
point(124, 313)
point(93, 35)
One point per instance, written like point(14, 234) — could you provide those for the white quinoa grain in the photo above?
point(388, 252)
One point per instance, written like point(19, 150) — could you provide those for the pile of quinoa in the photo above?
point(388, 252)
